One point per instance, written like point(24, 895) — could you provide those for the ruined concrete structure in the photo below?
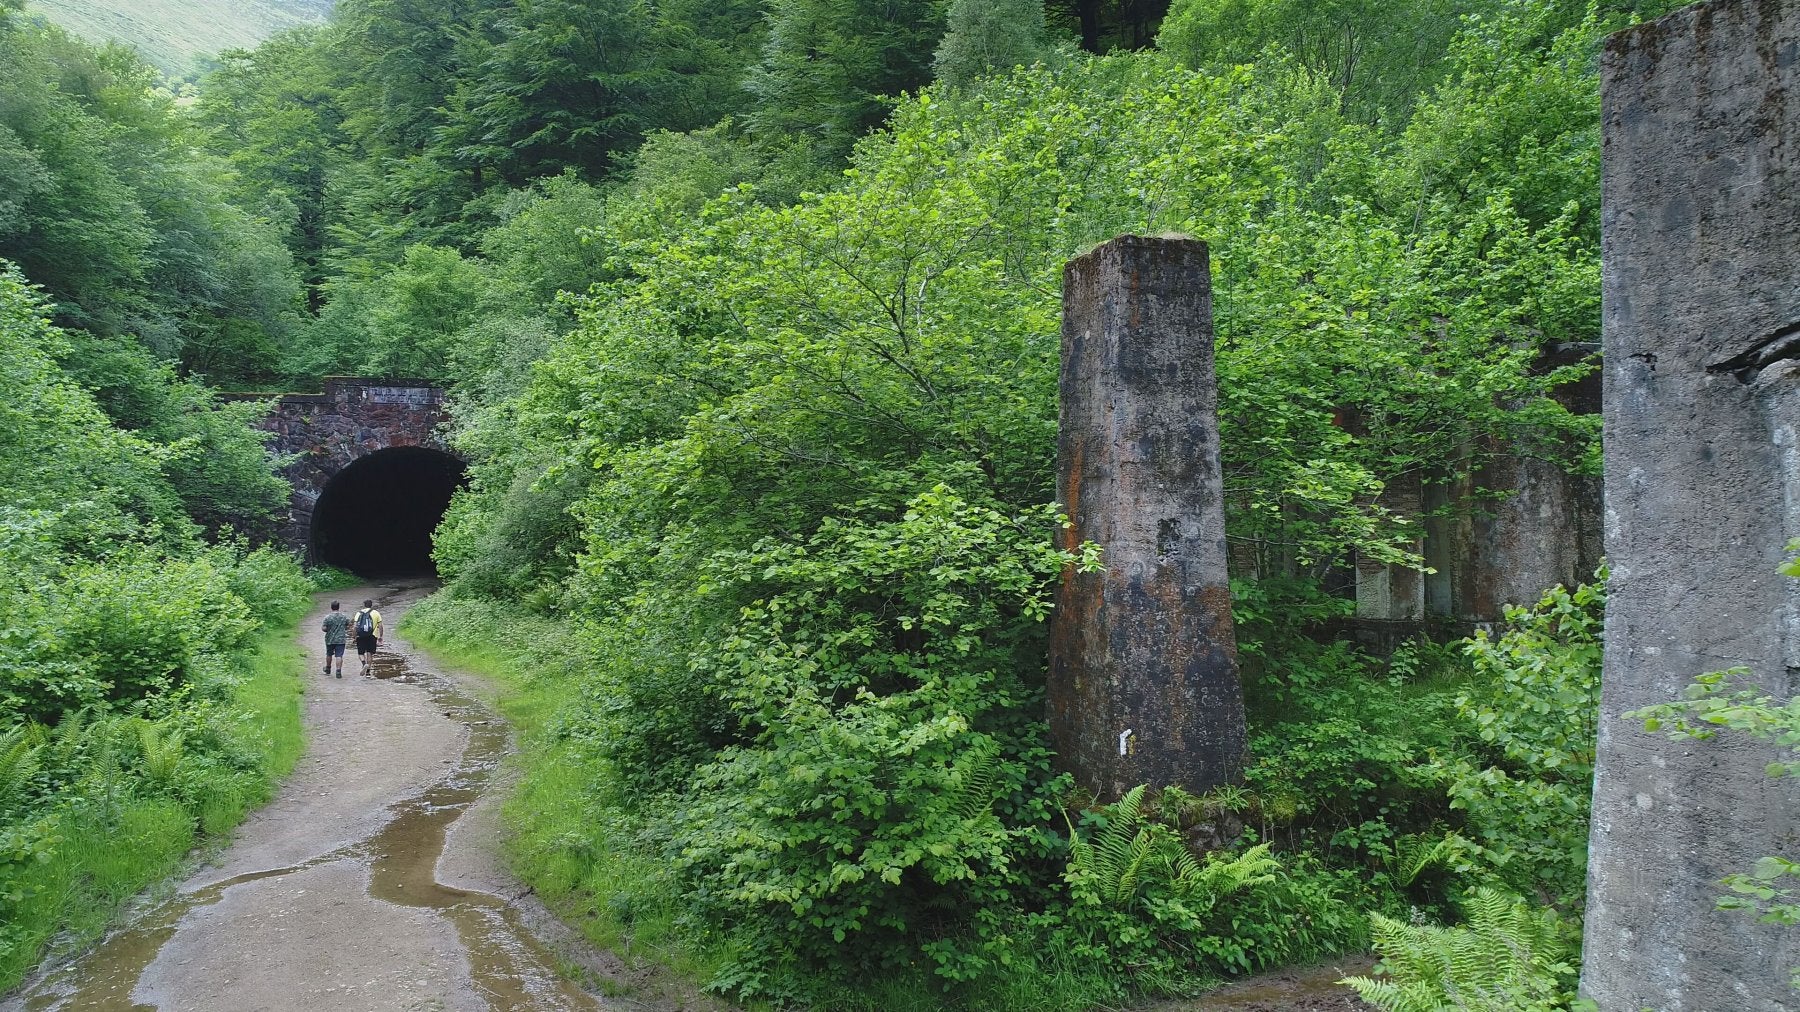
point(1702, 342)
point(1143, 683)
point(372, 448)
point(1501, 535)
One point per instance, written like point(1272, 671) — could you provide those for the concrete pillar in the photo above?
point(1701, 225)
point(1143, 664)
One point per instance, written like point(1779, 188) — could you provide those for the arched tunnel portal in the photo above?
point(375, 517)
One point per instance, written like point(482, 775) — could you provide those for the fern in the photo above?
point(1412, 854)
point(977, 781)
point(1220, 877)
point(20, 761)
point(1132, 853)
point(1110, 863)
point(66, 744)
point(102, 771)
point(1508, 958)
point(161, 753)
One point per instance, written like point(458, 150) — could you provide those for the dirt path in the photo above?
point(1297, 989)
point(369, 884)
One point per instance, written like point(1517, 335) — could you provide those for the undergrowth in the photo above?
point(1126, 910)
point(100, 807)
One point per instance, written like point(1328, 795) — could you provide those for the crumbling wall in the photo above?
point(1701, 221)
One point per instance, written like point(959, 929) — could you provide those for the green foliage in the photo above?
point(216, 459)
point(570, 839)
point(137, 704)
point(187, 457)
point(562, 86)
point(323, 578)
point(1377, 57)
point(419, 312)
point(984, 37)
point(889, 781)
point(115, 213)
point(829, 65)
point(1711, 704)
point(65, 472)
point(275, 116)
point(1535, 698)
point(106, 803)
point(1541, 680)
point(1509, 957)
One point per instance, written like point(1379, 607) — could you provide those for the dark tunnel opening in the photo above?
point(375, 518)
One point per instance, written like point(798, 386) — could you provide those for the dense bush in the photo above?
point(887, 781)
point(1535, 703)
point(129, 703)
point(138, 706)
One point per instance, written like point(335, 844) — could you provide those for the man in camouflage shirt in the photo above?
point(337, 634)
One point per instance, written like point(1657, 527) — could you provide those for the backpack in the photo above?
point(365, 623)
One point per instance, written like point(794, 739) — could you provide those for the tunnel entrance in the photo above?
point(376, 516)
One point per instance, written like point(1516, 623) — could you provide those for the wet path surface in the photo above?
point(362, 886)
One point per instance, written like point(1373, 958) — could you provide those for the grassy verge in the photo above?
point(564, 837)
point(73, 870)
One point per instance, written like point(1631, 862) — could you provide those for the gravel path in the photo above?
point(371, 883)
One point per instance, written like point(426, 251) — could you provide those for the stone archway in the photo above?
point(353, 432)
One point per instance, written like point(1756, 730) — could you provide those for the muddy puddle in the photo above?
point(508, 967)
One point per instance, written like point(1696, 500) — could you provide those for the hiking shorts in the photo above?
point(365, 643)
point(334, 650)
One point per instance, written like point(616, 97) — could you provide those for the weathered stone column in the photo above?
point(1143, 663)
point(1701, 221)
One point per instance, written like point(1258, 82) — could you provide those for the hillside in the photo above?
point(173, 34)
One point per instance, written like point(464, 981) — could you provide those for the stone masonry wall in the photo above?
point(323, 433)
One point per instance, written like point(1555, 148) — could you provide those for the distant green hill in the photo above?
point(175, 34)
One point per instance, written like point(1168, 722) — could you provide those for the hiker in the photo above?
point(337, 631)
point(368, 634)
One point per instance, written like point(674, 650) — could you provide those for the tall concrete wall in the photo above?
point(1143, 669)
point(1701, 220)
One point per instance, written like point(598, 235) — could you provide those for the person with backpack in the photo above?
point(337, 630)
point(368, 634)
